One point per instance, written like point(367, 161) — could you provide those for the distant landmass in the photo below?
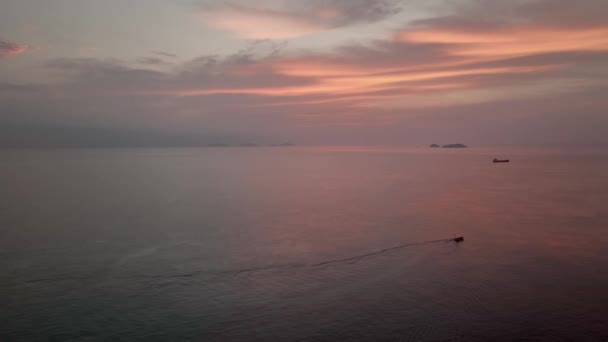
point(449, 146)
point(64, 136)
point(454, 146)
point(248, 145)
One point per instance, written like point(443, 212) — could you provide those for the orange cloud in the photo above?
point(350, 85)
point(517, 41)
point(8, 49)
point(431, 67)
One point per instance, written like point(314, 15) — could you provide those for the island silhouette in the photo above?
point(449, 146)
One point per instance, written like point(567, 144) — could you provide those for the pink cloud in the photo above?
point(431, 63)
point(254, 23)
point(8, 49)
point(513, 41)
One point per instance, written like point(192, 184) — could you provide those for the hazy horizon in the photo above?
point(63, 136)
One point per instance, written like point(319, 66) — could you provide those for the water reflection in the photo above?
point(149, 245)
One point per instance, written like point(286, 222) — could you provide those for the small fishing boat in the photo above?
point(459, 239)
point(500, 160)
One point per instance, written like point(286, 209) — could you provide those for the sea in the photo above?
point(323, 243)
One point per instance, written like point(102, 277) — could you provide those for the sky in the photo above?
point(397, 72)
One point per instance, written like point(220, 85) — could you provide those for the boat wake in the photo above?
point(362, 256)
point(351, 259)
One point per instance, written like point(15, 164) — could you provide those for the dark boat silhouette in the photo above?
point(458, 239)
point(500, 160)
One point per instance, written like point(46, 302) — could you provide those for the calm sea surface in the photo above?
point(244, 244)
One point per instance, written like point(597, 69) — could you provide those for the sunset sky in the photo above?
point(484, 72)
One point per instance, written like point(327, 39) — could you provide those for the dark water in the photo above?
point(232, 244)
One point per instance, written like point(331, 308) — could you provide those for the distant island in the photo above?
point(449, 146)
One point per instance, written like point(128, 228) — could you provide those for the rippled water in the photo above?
point(244, 244)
